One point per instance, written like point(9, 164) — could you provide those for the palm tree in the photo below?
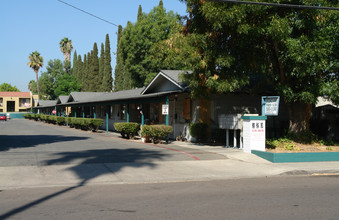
point(35, 62)
point(66, 47)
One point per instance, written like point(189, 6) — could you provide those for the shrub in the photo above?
point(155, 132)
point(28, 116)
point(51, 119)
point(84, 123)
point(199, 131)
point(145, 131)
point(127, 129)
point(96, 123)
point(60, 120)
point(68, 120)
point(36, 117)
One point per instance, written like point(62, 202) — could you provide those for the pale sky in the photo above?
point(30, 25)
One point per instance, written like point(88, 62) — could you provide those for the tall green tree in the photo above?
point(32, 86)
point(174, 53)
point(294, 51)
point(66, 84)
point(93, 81)
point(49, 78)
point(79, 70)
point(36, 61)
point(119, 66)
point(107, 80)
point(7, 87)
point(55, 81)
point(140, 15)
point(136, 41)
point(74, 65)
point(101, 66)
point(84, 71)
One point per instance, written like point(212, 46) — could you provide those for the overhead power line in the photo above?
point(275, 4)
point(88, 13)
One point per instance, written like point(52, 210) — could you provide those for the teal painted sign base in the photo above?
point(297, 157)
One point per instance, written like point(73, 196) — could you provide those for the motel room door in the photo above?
point(10, 106)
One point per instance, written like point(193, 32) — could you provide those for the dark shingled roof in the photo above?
point(47, 103)
point(175, 74)
point(83, 96)
point(62, 99)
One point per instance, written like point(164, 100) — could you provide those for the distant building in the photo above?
point(17, 101)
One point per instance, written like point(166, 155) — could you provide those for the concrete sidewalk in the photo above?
point(238, 165)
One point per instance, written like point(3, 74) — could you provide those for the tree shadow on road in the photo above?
point(90, 164)
point(8, 142)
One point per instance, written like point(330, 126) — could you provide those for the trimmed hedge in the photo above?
point(80, 123)
point(155, 132)
point(85, 123)
point(199, 131)
point(127, 129)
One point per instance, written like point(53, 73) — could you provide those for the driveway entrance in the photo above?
point(30, 143)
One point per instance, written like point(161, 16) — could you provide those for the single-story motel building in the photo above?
point(167, 94)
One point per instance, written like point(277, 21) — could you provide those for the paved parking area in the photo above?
point(30, 143)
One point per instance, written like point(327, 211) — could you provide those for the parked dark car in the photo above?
point(3, 117)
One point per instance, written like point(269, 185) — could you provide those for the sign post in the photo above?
point(165, 111)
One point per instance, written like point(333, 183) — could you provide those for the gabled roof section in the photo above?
point(83, 96)
point(46, 103)
point(165, 81)
point(62, 99)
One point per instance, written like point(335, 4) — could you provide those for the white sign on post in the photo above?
point(270, 105)
point(165, 109)
point(254, 133)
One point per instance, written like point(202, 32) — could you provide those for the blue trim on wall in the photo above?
point(254, 117)
point(297, 157)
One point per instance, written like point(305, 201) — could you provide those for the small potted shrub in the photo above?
point(145, 133)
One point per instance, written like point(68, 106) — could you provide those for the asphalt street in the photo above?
point(288, 197)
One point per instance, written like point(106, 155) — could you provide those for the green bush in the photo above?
point(36, 117)
point(127, 129)
point(50, 119)
point(199, 131)
point(28, 116)
point(155, 132)
point(145, 131)
point(84, 123)
point(96, 123)
point(60, 120)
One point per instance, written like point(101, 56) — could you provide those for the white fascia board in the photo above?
point(156, 77)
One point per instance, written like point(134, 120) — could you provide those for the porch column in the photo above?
point(67, 113)
point(127, 113)
point(167, 116)
point(83, 111)
point(95, 112)
point(107, 110)
point(142, 116)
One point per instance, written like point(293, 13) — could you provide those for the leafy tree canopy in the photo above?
point(55, 82)
point(7, 87)
point(137, 40)
point(294, 51)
